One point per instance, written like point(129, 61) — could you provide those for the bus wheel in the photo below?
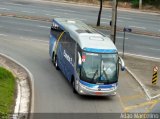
point(56, 63)
point(73, 86)
point(52, 58)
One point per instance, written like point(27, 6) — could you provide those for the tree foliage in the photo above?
point(145, 2)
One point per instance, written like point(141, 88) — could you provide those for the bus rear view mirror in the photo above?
point(79, 60)
point(121, 62)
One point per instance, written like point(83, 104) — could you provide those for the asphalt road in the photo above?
point(134, 44)
point(27, 42)
point(134, 19)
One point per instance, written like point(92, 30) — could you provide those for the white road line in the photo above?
point(4, 8)
point(125, 18)
point(80, 19)
point(37, 40)
point(144, 35)
point(122, 38)
point(66, 13)
point(25, 30)
point(14, 4)
point(159, 30)
point(28, 11)
point(3, 35)
point(120, 20)
point(51, 15)
point(44, 27)
point(64, 10)
point(107, 19)
point(104, 22)
point(154, 49)
point(137, 27)
point(143, 56)
point(24, 24)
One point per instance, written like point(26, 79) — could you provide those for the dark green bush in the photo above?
point(135, 3)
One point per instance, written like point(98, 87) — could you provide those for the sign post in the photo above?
point(155, 75)
point(124, 35)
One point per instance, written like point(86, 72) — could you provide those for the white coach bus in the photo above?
point(87, 58)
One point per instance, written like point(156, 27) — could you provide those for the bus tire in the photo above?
point(56, 63)
point(52, 58)
point(73, 86)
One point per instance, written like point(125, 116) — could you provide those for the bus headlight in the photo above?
point(81, 91)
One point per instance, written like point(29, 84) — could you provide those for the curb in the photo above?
point(139, 82)
point(142, 86)
point(31, 86)
point(149, 97)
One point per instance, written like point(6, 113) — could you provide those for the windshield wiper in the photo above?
point(95, 73)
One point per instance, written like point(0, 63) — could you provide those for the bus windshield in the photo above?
point(99, 68)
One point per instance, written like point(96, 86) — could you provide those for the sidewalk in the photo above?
point(106, 6)
point(142, 70)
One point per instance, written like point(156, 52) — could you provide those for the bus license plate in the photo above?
point(98, 93)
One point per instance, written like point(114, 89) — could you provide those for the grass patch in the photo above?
point(7, 92)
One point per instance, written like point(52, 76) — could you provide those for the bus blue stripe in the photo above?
point(100, 50)
point(96, 85)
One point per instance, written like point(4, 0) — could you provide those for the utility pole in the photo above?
point(140, 4)
point(114, 20)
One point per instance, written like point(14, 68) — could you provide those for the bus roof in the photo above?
point(88, 38)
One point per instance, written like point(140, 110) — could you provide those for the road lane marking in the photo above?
point(144, 35)
point(52, 15)
point(64, 10)
point(150, 108)
point(154, 49)
point(122, 38)
point(138, 27)
point(80, 19)
point(133, 97)
point(28, 39)
point(142, 56)
point(15, 4)
point(125, 18)
point(106, 19)
point(2, 8)
point(104, 22)
point(159, 30)
point(27, 30)
point(66, 13)
point(28, 11)
point(3, 35)
point(151, 103)
point(44, 27)
point(24, 24)
point(37, 40)
point(121, 102)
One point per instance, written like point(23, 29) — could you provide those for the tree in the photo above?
point(99, 15)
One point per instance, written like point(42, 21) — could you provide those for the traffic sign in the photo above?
point(127, 30)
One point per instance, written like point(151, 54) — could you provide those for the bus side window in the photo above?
point(69, 44)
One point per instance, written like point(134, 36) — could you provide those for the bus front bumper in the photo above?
point(83, 90)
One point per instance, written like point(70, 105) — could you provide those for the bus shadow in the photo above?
point(101, 98)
